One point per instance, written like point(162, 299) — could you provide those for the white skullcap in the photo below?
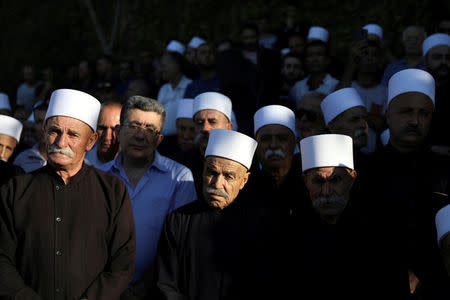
point(185, 107)
point(385, 135)
point(317, 32)
point(213, 100)
point(75, 104)
point(232, 145)
point(442, 220)
point(434, 40)
point(176, 46)
point(196, 42)
point(411, 80)
point(326, 150)
point(4, 102)
point(339, 101)
point(374, 29)
point(11, 127)
point(274, 114)
point(285, 51)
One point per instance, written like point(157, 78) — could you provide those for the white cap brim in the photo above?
point(442, 220)
point(339, 101)
point(411, 80)
point(434, 40)
point(196, 42)
point(75, 104)
point(11, 127)
point(213, 100)
point(232, 145)
point(185, 108)
point(274, 114)
point(374, 29)
point(317, 32)
point(176, 46)
point(326, 150)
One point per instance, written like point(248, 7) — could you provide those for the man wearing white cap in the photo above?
point(436, 52)
point(333, 245)
point(317, 33)
point(191, 56)
point(208, 247)
point(156, 184)
point(210, 110)
point(10, 133)
point(408, 176)
point(345, 113)
point(57, 237)
point(317, 60)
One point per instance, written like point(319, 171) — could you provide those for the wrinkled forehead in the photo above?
point(209, 114)
point(224, 164)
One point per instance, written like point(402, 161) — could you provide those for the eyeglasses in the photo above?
point(310, 115)
point(134, 127)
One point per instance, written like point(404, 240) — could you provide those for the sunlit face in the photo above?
point(329, 189)
point(67, 140)
point(352, 122)
point(409, 118)
point(222, 180)
point(7, 146)
point(276, 144)
point(206, 120)
point(108, 119)
point(185, 133)
point(139, 134)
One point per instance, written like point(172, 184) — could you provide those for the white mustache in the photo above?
point(217, 192)
point(330, 200)
point(65, 151)
point(276, 152)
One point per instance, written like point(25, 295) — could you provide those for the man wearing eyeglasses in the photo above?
point(156, 184)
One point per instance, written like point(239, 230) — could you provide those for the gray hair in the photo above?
point(145, 104)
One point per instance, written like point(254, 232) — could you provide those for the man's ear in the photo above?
point(159, 139)
point(92, 139)
point(245, 180)
point(230, 125)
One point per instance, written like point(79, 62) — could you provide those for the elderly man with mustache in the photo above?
point(66, 229)
point(333, 251)
point(211, 248)
point(408, 183)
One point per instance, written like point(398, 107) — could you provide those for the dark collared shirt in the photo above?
point(62, 241)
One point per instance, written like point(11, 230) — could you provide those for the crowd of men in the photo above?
point(265, 169)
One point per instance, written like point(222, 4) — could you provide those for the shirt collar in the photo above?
point(157, 162)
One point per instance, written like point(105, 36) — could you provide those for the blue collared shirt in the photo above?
point(30, 159)
point(165, 186)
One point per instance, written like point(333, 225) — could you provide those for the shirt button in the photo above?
point(58, 253)
point(58, 219)
point(57, 187)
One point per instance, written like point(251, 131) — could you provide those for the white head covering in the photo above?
point(185, 107)
point(385, 135)
point(339, 101)
point(232, 145)
point(442, 220)
point(75, 104)
point(374, 29)
point(4, 102)
point(411, 80)
point(213, 100)
point(317, 32)
point(434, 40)
point(196, 42)
point(11, 127)
point(176, 46)
point(274, 114)
point(285, 51)
point(326, 150)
